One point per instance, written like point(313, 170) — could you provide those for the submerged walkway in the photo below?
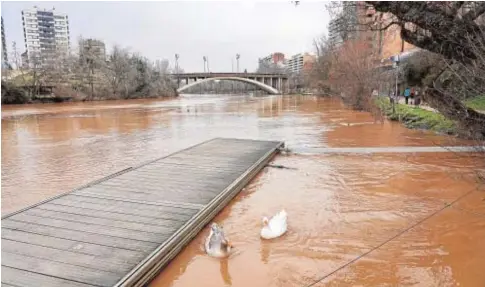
point(121, 230)
point(397, 149)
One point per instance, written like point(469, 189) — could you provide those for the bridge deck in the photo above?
point(121, 230)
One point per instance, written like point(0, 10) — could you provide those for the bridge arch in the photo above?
point(260, 85)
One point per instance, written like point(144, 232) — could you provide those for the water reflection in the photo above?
point(226, 277)
point(265, 250)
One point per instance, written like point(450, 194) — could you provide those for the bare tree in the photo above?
point(319, 74)
point(352, 73)
point(30, 71)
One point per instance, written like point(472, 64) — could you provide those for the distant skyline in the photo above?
point(158, 30)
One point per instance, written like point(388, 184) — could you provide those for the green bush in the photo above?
point(476, 103)
point(13, 95)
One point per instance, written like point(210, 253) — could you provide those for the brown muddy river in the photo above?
point(342, 208)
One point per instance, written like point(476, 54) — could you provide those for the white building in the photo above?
point(300, 62)
point(46, 34)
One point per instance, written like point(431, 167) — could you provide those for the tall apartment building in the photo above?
point(298, 63)
point(4, 49)
point(350, 23)
point(334, 32)
point(46, 34)
point(92, 48)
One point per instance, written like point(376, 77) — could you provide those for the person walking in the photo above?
point(412, 95)
point(417, 99)
point(407, 94)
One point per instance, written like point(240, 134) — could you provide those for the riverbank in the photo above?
point(16, 95)
point(20, 97)
point(417, 118)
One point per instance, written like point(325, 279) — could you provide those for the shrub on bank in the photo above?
point(13, 95)
point(417, 118)
point(477, 103)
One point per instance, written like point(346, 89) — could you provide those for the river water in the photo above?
point(341, 207)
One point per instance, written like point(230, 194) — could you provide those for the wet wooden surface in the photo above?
point(121, 230)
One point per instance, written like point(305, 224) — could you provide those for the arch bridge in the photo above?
point(271, 83)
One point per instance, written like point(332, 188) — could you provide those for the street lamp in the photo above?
point(177, 69)
point(177, 63)
point(205, 60)
point(237, 59)
point(395, 64)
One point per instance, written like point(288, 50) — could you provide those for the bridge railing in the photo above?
point(212, 74)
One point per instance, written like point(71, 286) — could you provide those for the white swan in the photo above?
point(216, 244)
point(275, 227)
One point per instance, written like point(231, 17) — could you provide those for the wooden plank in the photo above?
point(86, 218)
point(153, 208)
point(113, 205)
point(226, 153)
point(111, 215)
point(80, 236)
point(164, 203)
point(183, 167)
point(177, 168)
point(91, 228)
point(167, 180)
point(163, 196)
point(182, 172)
point(207, 160)
point(160, 188)
point(80, 247)
point(189, 196)
point(22, 278)
point(234, 158)
point(64, 271)
point(67, 257)
point(149, 187)
point(158, 184)
point(226, 144)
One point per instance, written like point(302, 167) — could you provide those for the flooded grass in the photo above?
point(477, 103)
point(417, 118)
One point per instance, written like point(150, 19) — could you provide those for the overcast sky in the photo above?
point(158, 30)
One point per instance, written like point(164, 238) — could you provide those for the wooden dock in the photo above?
point(123, 229)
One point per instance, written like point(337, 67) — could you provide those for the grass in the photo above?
point(417, 118)
point(477, 103)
